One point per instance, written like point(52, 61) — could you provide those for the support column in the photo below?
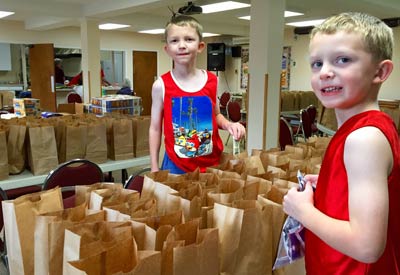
point(90, 45)
point(265, 57)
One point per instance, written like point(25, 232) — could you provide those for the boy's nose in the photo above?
point(326, 72)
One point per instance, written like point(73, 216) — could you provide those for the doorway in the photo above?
point(144, 74)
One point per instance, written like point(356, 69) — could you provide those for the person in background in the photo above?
point(185, 101)
point(126, 88)
point(78, 79)
point(59, 72)
point(104, 81)
point(352, 219)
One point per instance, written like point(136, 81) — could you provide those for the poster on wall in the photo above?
point(285, 73)
point(285, 70)
point(244, 70)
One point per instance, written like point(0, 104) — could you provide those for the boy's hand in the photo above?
point(296, 203)
point(236, 129)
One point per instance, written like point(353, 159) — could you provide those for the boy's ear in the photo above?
point(202, 45)
point(385, 68)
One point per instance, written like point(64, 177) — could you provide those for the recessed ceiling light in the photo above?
point(112, 26)
point(154, 31)
point(306, 23)
point(160, 31)
point(5, 13)
point(224, 6)
point(287, 14)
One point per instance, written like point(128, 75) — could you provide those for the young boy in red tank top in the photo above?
point(353, 218)
point(184, 103)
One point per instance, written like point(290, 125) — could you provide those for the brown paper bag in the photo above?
point(4, 170)
point(16, 148)
point(19, 222)
point(155, 189)
point(42, 150)
point(188, 250)
point(88, 239)
point(188, 199)
point(120, 139)
point(109, 197)
point(96, 146)
point(75, 141)
point(49, 236)
point(140, 127)
point(245, 234)
point(82, 192)
point(148, 263)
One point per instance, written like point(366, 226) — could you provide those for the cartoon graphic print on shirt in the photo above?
point(192, 124)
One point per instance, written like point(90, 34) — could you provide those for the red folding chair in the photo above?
point(223, 102)
point(73, 97)
point(71, 173)
point(135, 181)
point(285, 133)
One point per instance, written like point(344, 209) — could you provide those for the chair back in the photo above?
point(3, 197)
point(73, 97)
point(224, 99)
point(233, 110)
point(312, 113)
point(285, 133)
point(305, 123)
point(74, 172)
point(135, 181)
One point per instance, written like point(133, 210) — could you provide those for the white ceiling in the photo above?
point(150, 14)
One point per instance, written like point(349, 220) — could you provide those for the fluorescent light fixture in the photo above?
point(292, 13)
point(287, 14)
point(5, 13)
point(306, 23)
point(112, 26)
point(154, 31)
point(247, 17)
point(160, 31)
point(209, 34)
point(223, 6)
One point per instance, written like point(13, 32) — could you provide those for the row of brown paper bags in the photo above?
point(248, 233)
point(41, 144)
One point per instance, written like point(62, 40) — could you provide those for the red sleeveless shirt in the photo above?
point(331, 197)
point(191, 135)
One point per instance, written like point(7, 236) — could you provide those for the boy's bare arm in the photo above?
point(155, 129)
point(236, 129)
point(368, 161)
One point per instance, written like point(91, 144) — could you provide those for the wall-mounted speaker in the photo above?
point(236, 51)
point(216, 56)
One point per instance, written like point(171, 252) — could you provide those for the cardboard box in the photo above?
point(136, 111)
point(26, 106)
point(71, 108)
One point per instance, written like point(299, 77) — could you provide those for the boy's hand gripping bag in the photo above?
point(291, 245)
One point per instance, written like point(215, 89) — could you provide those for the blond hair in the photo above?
point(376, 35)
point(184, 21)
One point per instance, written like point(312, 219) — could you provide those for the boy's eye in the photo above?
point(343, 60)
point(316, 64)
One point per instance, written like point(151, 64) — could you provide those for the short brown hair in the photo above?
point(376, 35)
point(184, 20)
